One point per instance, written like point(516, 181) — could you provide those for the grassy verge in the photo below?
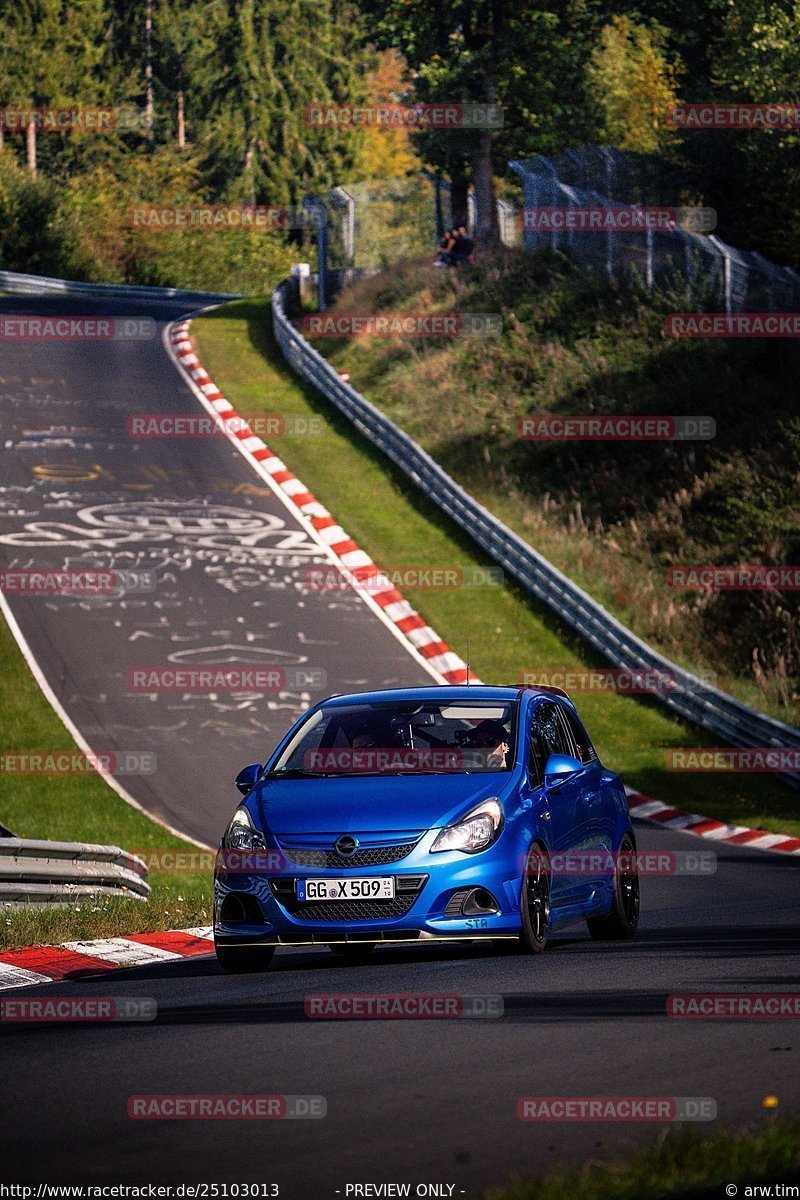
point(509, 632)
point(80, 808)
point(680, 1168)
point(614, 516)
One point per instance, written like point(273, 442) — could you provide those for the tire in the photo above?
point(622, 922)
point(241, 960)
point(535, 901)
point(354, 952)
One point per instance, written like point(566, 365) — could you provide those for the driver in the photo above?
point(492, 736)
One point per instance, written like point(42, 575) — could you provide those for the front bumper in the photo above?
point(267, 911)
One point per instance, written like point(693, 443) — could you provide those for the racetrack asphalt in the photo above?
point(417, 1101)
point(233, 568)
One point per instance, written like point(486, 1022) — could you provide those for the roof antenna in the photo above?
point(469, 659)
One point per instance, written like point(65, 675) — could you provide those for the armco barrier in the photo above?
point(692, 699)
point(37, 285)
point(38, 872)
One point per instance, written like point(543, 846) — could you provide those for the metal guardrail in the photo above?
point(37, 285)
point(39, 872)
point(691, 698)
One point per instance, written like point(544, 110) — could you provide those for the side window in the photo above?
point(548, 736)
point(584, 750)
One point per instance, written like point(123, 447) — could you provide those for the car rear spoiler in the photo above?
point(544, 687)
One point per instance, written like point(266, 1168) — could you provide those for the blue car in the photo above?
point(426, 813)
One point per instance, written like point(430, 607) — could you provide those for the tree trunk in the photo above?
point(31, 139)
point(181, 122)
point(487, 230)
point(487, 233)
point(459, 189)
point(148, 67)
point(250, 170)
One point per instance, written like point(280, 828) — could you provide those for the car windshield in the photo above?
point(403, 738)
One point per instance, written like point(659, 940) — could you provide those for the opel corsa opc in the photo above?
point(426, 813)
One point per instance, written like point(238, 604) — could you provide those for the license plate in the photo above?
point(373, 888)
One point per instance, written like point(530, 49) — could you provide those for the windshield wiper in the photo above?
point(296, 773)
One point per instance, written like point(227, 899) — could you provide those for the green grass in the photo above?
point(80, 808)
point(509, 632)
point(681, 1167)
point(382, 510)
point(613, 516)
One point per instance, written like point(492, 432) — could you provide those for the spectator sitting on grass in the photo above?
point(448, 246)
point(463, 248)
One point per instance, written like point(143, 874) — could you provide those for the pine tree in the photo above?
point(274, 60)
point(54, 54)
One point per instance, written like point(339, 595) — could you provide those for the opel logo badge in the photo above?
point(346, 846)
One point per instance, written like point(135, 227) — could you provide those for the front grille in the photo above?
point(408, 888)
point(354, 910)
point(374, 856)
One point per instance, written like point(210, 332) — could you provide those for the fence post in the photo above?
point(608, 158)
point(315, 206)
point(728, 276)
point(471, 210)
point(345, 201)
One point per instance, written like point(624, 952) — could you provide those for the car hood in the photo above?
point(371, 804)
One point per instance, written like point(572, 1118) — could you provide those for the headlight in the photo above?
point(242, 834)
point(474, 832)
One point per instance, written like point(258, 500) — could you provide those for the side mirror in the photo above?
point(559, 768)
point(247, 778)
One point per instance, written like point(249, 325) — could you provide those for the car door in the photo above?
point(595, 816)
point(548, 735)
